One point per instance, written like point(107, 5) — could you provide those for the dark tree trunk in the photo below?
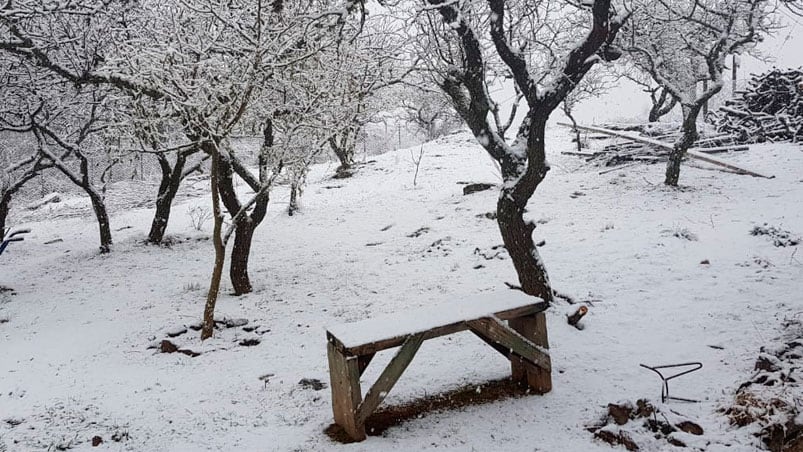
point(10, 191)
point(5, 202)
point(510, 208)
point(292, 208)
point(168, 187)
point(103, 220)
point(343, 147)
point(245, 224)
point(687, 138)
point(238, 272)
point(244, 227)
point(662, 105)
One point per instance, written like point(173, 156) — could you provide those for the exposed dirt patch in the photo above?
point(627, 424)
point(770, 399)
point(392, 416)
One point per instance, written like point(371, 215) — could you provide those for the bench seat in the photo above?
point(390, 330)
point(352, 346)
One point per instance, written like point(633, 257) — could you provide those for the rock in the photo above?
point(675, 442)
point(620, 413)
point(690, 427)
point(474, 188)
point(14, 421)
point(705, 262)
point(178, 331)
point(232, 323)
point(167, 347)
point(644, 408)
point(312, 383)
point(249, 342)
point(614, 439)
point(96, 441)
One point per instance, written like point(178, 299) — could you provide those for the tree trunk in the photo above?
point(344, 150)
point(516, 232)
point(662, 105)
point(239, 256)
point(244, 227)
point(103, 220)
point(168, 187)
point(5, 200)
point(292, 208)
point(220, 254)
point(687, 138)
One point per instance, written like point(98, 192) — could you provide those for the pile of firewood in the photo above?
point(770, 109)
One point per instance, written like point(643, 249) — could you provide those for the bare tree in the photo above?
point(68, 147)
point(20, 160)
point(683, 43)
point(431, 112)
point(360, 72)
point(17, 170)
point(546, 48)
point(661, 100)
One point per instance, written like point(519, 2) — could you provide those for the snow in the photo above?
point(75, 361)
point(412, 321)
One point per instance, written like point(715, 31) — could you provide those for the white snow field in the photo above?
point(74, 338)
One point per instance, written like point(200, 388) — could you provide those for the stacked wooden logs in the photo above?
point(770, 109)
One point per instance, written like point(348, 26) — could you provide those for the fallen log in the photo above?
point(692, 153)
point(714, 150)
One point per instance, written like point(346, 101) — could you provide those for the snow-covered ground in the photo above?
point(75, 362)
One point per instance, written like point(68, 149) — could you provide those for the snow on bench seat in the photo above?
point(390, 330)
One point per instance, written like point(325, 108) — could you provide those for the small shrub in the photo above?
point(199, 216)
point(192, 287)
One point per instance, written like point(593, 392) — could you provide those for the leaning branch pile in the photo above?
point(662, 148)
point(770, 109)
point(629, 144)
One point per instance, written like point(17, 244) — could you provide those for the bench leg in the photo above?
point(344, 374)
point(532, 327)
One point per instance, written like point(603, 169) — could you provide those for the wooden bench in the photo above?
point(351, 346)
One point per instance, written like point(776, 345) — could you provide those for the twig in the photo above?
point(417, 163)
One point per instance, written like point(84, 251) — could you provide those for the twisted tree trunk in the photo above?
point(102, 216)
point(517, 234)
point(168, 187)
point(661, 105)
point(687, 138)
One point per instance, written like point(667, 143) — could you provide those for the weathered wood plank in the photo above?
point(443, 330)
point(533, 328)
point(389, 377)
point(344, 376)
point(494, 330)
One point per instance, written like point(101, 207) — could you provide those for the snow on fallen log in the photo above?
point(692, 153)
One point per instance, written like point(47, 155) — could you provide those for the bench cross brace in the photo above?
point(524, 343)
